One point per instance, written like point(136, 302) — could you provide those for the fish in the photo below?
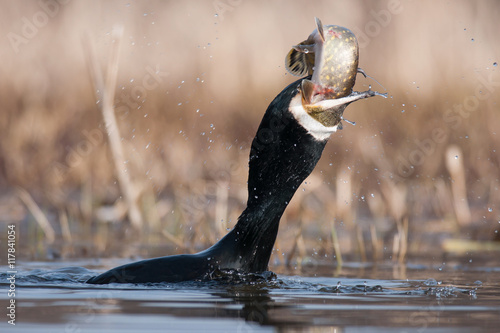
point(330, 55)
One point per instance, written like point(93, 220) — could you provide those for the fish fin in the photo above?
point(348, 121)
point(307, 89)
point(298, 62)
point(319, 25)
point(361, 71)
point(366, 75)
point(304, 48)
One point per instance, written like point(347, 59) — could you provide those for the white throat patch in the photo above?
point(311, 125)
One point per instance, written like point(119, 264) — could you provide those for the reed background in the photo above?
point(418, 176)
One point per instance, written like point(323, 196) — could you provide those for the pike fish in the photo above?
point(330, 54)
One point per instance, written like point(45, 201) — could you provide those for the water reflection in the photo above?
point(57, 299)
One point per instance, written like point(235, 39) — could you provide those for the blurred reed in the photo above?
point(191, 88)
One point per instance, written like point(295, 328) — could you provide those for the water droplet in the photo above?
point(456, 157)
point(131, 80)
point(216, 15)
point(430, 282)
point(372, 195)
point(472, 39)
point(490, 209)
point(495, 64)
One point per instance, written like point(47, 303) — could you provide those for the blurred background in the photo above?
point(416, 177)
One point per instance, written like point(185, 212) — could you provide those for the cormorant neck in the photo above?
point(282, 155)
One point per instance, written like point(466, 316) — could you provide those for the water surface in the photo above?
point(52, 297)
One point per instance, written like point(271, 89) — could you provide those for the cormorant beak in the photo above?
point(329, 112)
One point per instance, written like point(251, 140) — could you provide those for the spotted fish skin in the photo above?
point(337, 63)
point(330, 54)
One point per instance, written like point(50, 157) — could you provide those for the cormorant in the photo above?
point(288, 144)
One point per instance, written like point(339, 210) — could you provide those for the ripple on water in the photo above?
point(58, 297)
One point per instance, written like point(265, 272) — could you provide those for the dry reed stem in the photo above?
point(400, 245)
point(37, 213)
point(336, 245)
point(127, 189)
point(455, 166)
point(301, 246)
point(361, 243)
point(377, 244)
point(344, 195)
point(295, 244)
point(395, 196)
point(395, 246)
point(63, 220)
point(403, 238)
point(221, 207)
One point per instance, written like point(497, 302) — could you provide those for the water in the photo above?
point(52, 297)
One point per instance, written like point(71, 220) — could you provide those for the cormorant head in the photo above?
point(330, 54)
